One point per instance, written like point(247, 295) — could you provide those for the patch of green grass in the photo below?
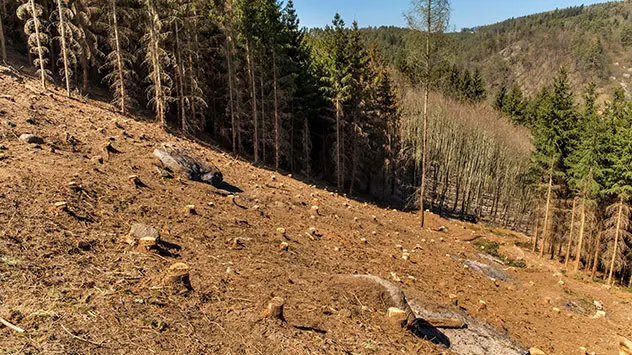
point(9, 262)
point(517, 263)
point(370, 345)
point(491, 247)
point(488, 246)
point(579, 276)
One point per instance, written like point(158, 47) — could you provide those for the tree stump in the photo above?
point(177, 278)
point(274, 310)
point(146, 244)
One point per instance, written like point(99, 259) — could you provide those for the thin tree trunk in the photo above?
point(62, 33)
point(255, 118)
point(338, 143)
point(535, 235)
point(596, 258)
point(424, 147)
point(180, 82)
point(3, 48)
point(616, 240)
point(39, 45)
point(276, 113)
point(230, 93)
point(263, 136)
point(578, 253)
point(570, 236)
point(119, 60)
point(545, 227)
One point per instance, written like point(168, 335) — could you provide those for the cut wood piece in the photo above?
point(11, 326)
point(445, 323)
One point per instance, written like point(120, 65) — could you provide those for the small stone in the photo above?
point(547, 300)
point(405, 255)
point(315, 210)
point(31, 139)
point(363, 240)
point(355, 219)
point(281, 231)
point(556, 310)
point(336, 249)
point(536, 351)
point(442, 229)
point(61, 206)
point(284, 246)
point(600, 314)
point(395, 277)
point(211, 204)
point(454, 299)
point(97, 159)
point(83, 245)
point(398, 246)
point(189, 209)
point(237, 244)
point(374, 232)
point(482, 305)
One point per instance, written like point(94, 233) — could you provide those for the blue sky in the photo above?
point(465, 13)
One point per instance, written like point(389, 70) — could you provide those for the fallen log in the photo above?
point(408, 317)
point(192, 168)
point(443, 323)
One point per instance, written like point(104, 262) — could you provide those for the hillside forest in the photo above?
point(343, 105)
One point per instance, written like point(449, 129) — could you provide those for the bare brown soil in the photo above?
point(70, 280)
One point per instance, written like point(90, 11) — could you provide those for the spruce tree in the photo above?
point(31, 14)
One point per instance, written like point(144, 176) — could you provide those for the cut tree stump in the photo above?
point(147, 244)
point(274, 309)
point(625, 346)
point(177, 278)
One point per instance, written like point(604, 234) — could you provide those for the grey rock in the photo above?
point(31, 139)
point(139, 230)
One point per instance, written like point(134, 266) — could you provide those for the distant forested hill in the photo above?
point(593, 42)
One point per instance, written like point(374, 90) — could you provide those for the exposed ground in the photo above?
point(70, 280)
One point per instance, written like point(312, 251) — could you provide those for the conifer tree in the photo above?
point(338, 88)
point(30, 13)
point(118, 66)
point(67, 41)
point(586, 162)
point(157, 60)
point(618, 179)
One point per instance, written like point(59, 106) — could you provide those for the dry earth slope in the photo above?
point(69, 278)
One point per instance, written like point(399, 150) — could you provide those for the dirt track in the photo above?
point(69, 279)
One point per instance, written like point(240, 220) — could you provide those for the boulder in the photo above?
point(192, 168)
point(140, 231)
point(31, 139)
